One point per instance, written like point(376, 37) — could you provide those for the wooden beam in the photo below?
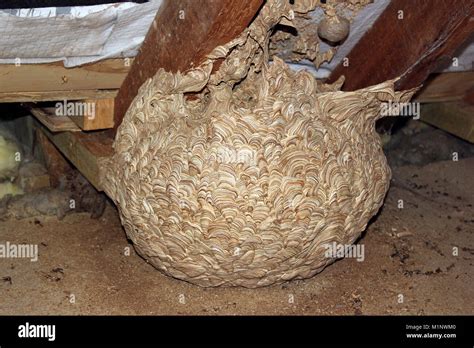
point(103, 117)
point(84, 150)
point(54, 123)
point(411, 39)
point(180, 37)
point(444, 87)
point(24, 97)
point(59, 169)
point(454, 117)
point(53, 81)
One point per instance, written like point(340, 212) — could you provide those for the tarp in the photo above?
point(74, 35)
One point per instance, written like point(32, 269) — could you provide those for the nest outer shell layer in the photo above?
point(246, 184)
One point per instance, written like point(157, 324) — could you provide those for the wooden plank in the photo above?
point(181, 35)
point(54, 123)
point(52, 81)
point(469, 96)
point(103, 117)
point(106, 74)
point(84, 151)
point(23, 97)
point(426, 38)
point(454, 117)
point(444, 87)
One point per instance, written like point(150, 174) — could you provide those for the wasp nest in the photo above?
point(245, 185)
point(299, 37)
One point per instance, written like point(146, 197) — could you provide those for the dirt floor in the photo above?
point(83, 267)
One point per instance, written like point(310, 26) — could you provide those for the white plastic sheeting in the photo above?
point(76, 35)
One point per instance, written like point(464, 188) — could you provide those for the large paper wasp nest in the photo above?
point(246, 184)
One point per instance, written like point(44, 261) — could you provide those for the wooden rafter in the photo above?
point(411, 39)
point(450, 86)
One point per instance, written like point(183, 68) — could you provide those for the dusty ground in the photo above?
point(408, 252)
